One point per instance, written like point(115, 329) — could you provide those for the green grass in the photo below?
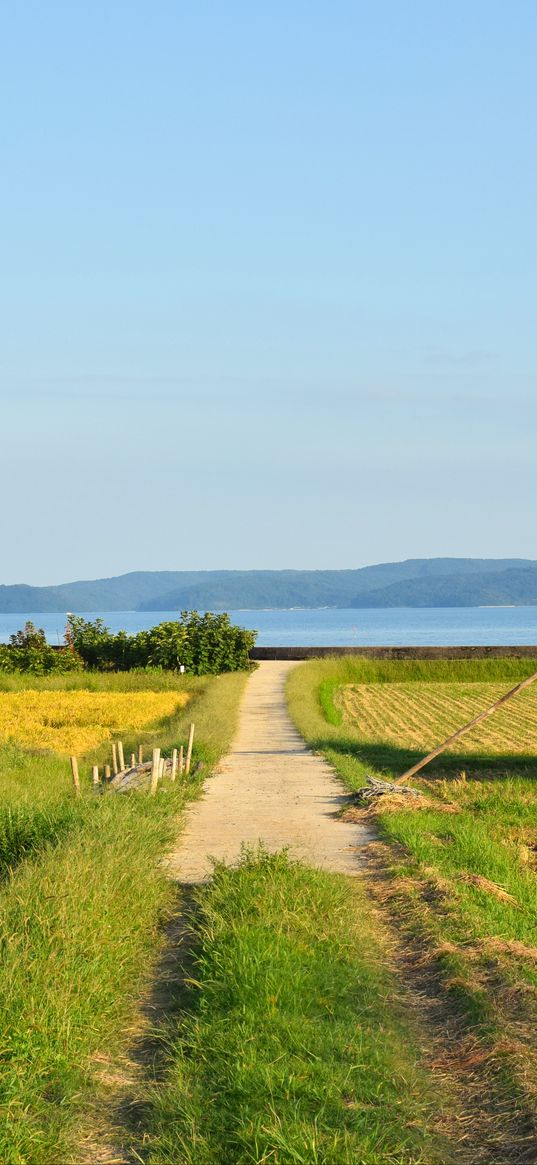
point(291, 1046)
point(139, 679)
point(313, 690)
point(81, 923)
point(464, 883)
point(36, 793)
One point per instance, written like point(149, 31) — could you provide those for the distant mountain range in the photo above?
point(417, 582)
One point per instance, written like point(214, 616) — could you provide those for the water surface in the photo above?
point(394, 626)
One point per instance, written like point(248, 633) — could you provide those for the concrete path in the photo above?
point(270, 787)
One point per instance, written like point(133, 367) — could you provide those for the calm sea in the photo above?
point(336, 628)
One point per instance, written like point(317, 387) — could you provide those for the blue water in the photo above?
point(435, 626)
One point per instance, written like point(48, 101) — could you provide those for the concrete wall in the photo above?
point(523, 652)
point(258, 653)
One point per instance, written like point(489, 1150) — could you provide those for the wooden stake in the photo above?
point(76, 778)
point(133, 760)
point(181, 761)
point(189, 749)
point(140, 755)
point(174, 764)
point(465, 728)
point(107, 773)
point(162, 768)
point(95, 775)
point(120, 755)
point(155, 770)
point(114, 758)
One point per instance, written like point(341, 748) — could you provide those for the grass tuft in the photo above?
point(293, 1048)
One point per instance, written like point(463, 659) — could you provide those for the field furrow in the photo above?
point(422, 715)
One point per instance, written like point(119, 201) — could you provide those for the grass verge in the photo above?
point(81, 927)
point(461, 862)
point(291, 1046)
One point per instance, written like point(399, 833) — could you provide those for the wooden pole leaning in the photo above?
point(189, 749)
point(120, 755)
point(76, 778)
point(155, 771)
point(465, 728)
point(174, 764)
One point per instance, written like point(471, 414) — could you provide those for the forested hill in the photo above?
point(517, 587)
point(419, 582)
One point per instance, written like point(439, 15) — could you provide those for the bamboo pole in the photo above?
point(465, 728)
point(174, 764)
point(140, 755)
point(120, 755)
point(76, 778)
point(181, 761)
point(155, 771)
point(95, 775)
point(189, 749)
point(114, 758)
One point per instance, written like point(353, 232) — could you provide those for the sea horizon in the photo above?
point(330, 626)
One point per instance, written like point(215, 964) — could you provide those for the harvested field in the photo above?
point(420, 715)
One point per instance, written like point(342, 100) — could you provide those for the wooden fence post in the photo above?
point(155, 771)
point(114, 758)
point(76, 778)
point(181, 761)
point(189, 749)
point(140, 755)
point(120, 755)
point(107, 773)
point(174, 764)
point(95, 775)
point(133, 760)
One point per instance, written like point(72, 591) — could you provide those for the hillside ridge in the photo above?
point(427, 582)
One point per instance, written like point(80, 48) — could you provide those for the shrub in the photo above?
point(202, 644)
point(29, 651)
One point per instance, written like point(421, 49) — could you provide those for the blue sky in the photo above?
point(268, 284)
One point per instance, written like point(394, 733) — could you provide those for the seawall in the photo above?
point(458, 652)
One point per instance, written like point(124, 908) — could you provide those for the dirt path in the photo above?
point(271, 788)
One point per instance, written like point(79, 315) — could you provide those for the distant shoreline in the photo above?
point(167, 613)
point(417, 583)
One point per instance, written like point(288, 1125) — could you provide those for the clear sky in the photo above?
point(268, 283)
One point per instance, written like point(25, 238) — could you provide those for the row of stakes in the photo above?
point(179, 764)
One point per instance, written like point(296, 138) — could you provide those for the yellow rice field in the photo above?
point(73, 722)
point(421, 715)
